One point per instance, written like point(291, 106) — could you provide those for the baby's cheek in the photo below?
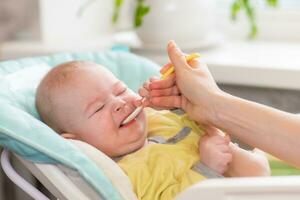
point(144, 121)
point(106, 122)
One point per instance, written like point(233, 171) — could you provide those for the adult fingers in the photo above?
point(143, 92)
point(162, 84)
point(176, 56)
point(165, 92)
point(167, 101)
point(146, 85)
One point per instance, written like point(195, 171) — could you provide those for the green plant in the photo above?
point(140, 11)
point(239, 5)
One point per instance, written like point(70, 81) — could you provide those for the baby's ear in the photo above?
point(69, 136)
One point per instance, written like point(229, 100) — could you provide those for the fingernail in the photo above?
point(153, 79)
point(173, 44)
point(176, 48)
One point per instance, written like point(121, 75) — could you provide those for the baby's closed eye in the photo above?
point(122, 91)
point(100, 108)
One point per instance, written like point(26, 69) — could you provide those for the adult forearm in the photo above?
point(271, 130)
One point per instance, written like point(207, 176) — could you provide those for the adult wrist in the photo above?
point(220, 104)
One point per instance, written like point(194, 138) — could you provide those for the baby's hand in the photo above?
point(214, 150)
point(166, 96)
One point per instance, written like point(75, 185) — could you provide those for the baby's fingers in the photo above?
point(223, 148)
point(224, 164)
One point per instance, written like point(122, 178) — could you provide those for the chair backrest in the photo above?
point(65, 183)
point(22, 132)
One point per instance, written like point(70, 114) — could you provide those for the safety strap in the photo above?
point(199, 167)
point(185, 131)
point(178, 111)
point(204, 170)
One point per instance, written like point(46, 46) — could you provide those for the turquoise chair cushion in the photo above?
point(21, 130)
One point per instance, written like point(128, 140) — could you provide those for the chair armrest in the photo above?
point(256, 188)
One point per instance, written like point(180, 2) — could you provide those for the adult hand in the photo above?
point(268, 129)
point(160, 99)
point(192, 88)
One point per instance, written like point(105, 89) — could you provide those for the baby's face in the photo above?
point(97, 104)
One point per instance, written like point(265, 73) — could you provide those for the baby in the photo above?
point(84, 101)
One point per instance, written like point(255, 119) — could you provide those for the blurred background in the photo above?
point(252, 47)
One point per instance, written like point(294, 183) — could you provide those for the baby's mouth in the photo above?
point(130, 118)
point(132, 115)
point(128, 123)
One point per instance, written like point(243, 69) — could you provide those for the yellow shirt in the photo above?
point(161, 171)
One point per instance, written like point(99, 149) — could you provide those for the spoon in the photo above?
point(166, 71)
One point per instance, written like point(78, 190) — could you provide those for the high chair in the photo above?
point(71, 169)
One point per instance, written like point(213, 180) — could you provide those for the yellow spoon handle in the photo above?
point(172, 69)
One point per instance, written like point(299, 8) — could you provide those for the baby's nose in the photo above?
point(119, 105)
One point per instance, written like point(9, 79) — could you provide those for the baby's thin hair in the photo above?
point(51, 85)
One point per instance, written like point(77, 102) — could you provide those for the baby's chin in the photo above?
point(137, 146)
point(123, 150)
point(136, 142)
point(134, 135)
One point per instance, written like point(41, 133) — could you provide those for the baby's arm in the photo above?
point(247, 163)
point(218, 153)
